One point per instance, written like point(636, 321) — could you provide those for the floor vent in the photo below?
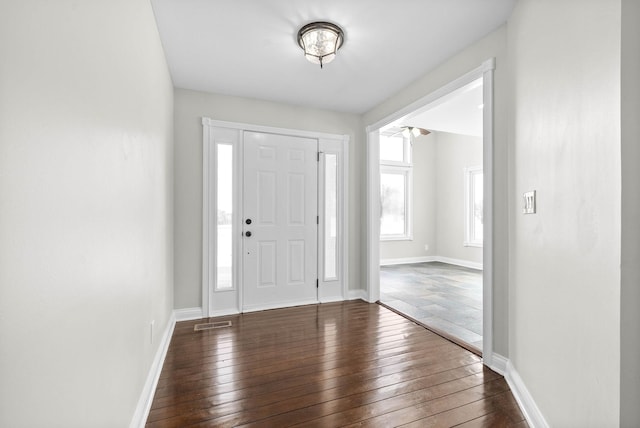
point(211, 325)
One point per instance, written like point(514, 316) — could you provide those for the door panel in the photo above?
point(280, 202)
point(266, 203)
point(266, 264)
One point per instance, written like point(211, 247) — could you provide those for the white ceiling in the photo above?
point(248, 48)
point(459, 112)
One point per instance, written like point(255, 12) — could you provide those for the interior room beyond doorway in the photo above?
point(432, 211)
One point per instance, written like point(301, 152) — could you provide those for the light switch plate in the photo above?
point(529, 202)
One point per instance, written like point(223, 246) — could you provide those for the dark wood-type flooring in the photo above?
point(329, 365)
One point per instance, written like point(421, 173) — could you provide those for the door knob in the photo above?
point(247, 234)
point(248, 221)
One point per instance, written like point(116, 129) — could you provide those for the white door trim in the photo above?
point(484, 71)
point(272, 130)
point(232, 299)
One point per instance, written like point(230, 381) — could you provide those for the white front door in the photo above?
point(279, 225)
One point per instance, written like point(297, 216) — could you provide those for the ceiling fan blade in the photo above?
point(415, 131)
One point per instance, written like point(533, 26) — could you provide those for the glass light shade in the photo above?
point(320, 41)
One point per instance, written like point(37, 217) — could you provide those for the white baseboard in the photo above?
point(188, 314)
point(148, 391)
point(532, 414)
point(278, 306)
point(357, 294)
point(331, 299)
point(458, 262)
point(223, 313)
point(498, 364)
point(426, 259)
point(407, 260)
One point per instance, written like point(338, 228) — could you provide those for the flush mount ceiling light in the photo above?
point(320, 41)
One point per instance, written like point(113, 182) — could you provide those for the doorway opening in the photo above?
point(435, 243)
point(431, 223)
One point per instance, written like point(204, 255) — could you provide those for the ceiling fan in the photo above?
point(413, 131)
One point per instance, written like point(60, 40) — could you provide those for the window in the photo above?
point(394, 149)
point(331, 217)
point(224, 253)
point(395, 187)
point(473, 178)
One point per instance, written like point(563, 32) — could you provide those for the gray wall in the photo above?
point(439, 160)
point(630, 291)
point(565, 268)
point(455, 152)
point(493, 45)
point(85, 212)
point(190, 107)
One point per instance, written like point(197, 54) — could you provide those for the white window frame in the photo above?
point(405, 168)
point(407, 154)
point(469, 174)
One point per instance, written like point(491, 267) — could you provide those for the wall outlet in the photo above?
point(426, 247)
point(151, 330)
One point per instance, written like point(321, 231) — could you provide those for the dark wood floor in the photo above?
point(330, 365)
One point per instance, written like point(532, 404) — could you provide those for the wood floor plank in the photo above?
point(397, 413)
point(236, 391)
point(324, 365)
point(221, 375)
point(302, 350)
point(498, 410)
point(213, 350)
point(266, 406)
point(255, 387)
point(492, 420)
point(348, 409)
point(373, 376)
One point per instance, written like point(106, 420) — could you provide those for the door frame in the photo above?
point(485, 72)
point(225, 302)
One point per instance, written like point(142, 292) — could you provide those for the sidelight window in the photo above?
point(224, 253)
point(330, 216)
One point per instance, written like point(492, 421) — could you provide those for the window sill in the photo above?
point(473, 244)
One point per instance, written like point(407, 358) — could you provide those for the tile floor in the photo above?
point(439, 295)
